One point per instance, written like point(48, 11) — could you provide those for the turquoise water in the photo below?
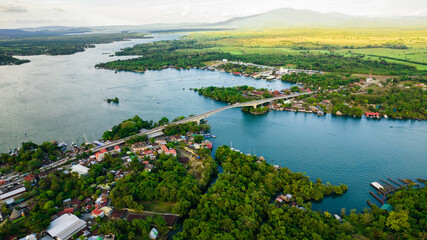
point(336, 149)
point(61, 97)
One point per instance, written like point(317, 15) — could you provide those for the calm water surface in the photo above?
point(61, 97)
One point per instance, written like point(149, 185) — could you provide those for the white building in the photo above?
point(80, 169)
point(153, 234)
point(9, 197)
point(29, 237)
point(64, 227)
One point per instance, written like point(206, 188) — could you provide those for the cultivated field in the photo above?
point(406, 46)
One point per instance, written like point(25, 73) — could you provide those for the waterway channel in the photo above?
point(62, 98)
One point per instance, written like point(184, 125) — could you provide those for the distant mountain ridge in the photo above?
point(279, 18)
point(39, 32)
point(289, 17)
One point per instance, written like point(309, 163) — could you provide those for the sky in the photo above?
point(36, 13)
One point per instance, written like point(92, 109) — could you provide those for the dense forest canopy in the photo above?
point(240, 206)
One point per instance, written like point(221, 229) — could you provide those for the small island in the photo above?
point(112, 100)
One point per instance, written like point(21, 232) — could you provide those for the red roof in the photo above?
point(148, 152)
point(97, 212)
point(66, 210)
point(372, 114)
point(29, 178)
point(164, 148)
point(103, 150)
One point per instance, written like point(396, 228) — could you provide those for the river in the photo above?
point(62, 98)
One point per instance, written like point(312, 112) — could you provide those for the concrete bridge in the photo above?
point(199, 117)
point(196, 118)
point(253, 104)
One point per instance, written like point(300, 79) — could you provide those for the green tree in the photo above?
point(398, 220)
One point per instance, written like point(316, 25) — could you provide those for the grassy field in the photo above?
point(373, 44)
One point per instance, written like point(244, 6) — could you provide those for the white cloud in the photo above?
point(135, 12)
point(11, 8)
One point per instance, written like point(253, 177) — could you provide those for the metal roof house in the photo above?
point(387, 207)
point(9, 197)
point(80, 169)
point(65, 226)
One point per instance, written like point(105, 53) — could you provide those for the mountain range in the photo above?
point(279, 18)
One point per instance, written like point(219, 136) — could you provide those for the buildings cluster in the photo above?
point(267, 72)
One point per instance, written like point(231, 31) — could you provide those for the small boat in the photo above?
point(62, 145)
point(25, 133)
point(213, 136)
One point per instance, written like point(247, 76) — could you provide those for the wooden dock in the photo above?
point(387, 189)
point(389, 184)
point(397, 183)
point(373, 194)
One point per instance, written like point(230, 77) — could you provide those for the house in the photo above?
point(64, 227)
point(161, 142)
point(98, 213)
point(75, 203)
point(148, 167)
point(288, 197)
point(387, 207)
point(139, 147)
point(100, 155)
point(107, 210)
point(30, 178)
point(279, 199)
point(117, 149)
point(29, 237)
point(15, 215)
point(66, 210)
point(153, 234)
point(11, 196)
point(80, 169)
point(168, 151)
point(66, 203)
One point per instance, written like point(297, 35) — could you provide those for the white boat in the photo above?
point(377, 185)
point(62, 145)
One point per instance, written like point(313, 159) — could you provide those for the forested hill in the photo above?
point(59, 45)
point(19, 44)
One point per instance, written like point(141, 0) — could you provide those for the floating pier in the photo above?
point(373, 194)
point(386, 189)
point(400, 185)
point(389, 184)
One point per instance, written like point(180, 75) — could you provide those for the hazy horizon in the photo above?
point(26, 14)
